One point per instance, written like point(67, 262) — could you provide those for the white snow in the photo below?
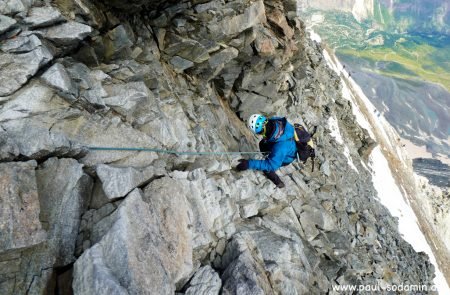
point(349, 159)
point(336, 133)
point(390, 196)
point(335, 67)
point(314, 36)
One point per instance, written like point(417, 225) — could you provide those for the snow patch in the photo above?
point(336, 133)
point(391, 197)
point(315, 37)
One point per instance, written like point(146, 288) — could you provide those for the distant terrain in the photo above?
point(402, 66)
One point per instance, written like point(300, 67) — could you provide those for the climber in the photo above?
point(278, 141)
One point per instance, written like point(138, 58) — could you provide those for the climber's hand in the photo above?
point(243, 165)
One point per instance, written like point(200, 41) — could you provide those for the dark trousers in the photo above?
point(265, 146)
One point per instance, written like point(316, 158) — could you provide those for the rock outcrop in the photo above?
point(179, 76)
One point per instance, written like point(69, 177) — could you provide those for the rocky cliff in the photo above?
point(179, 75)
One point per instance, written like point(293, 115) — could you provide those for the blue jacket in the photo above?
point(283, 150)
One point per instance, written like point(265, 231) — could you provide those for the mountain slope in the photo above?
point(180, 76)
point(406, 195)
point(405, 75)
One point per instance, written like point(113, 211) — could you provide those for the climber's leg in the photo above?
point(272, 175)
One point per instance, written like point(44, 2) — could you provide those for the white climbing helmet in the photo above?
point(256, 123)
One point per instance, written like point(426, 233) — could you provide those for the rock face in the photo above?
point(78, 75)
point(20, 207)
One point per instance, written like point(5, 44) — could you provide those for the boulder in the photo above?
point(172, 219)
point(26, 119)
point(118, 182)
point(69, 33)
point(88, 83)
point(205, 282)
point(64, 192)
point(21, 44)
point(126, 98)
point(278, 18)
point(244, 273)
point(12, 7)
point(180, 64)
point(8, 149)
point(231, 26)
point(6, 23)
point(17, 69)
point(57, 77)
point(43, 17)
point(224, 56)
point(264, 46)
point(188, 49)
point(130, 258)
point(116, 42)
point(311, 216)
point(93, 276)
point(19, 217)
point(251, 101)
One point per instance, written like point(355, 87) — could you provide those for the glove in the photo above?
point(243, 165)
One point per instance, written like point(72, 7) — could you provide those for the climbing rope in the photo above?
point(163, 151)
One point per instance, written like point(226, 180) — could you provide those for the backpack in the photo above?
point(304, 143)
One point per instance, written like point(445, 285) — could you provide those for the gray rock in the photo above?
point(134, 5)
point(251, 102)
point(30, 100)
point(325, 168)
point(249, 208)
point(172, 220)
point(26, 120)
point(98, 131)
point(126, 98)
point(231, 26)
point(117, 42)
point(128, 256)
point(21, 44)
point(57, 77)
point(186, 48)
point(244, 274)
point(6, 23)
point(15, 6)
point(180, 64)
point(340, 243)
point(205, 282)
point(69, 33)
point(97, 277)
point(223, 57)
point(19, 217)
point(218, 61)
point(8, 149)
point(64, 191)
point(211, 5)
point(118, 182)
point(17, 69)
point(43, 17)
point(315, 217)
point(88, 83)
point(156, 242)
